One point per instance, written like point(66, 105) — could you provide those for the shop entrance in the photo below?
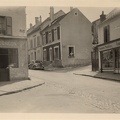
point(4, 62)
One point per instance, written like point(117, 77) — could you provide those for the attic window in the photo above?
point(76, 13)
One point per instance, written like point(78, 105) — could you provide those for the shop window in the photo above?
point(71, 51)
point(107, 59)
point(56, 53)
point(13, 57)
point(5, 25)
point(106, 34)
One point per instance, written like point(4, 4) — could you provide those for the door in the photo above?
point(51, 54)
point(117, 60)
point(4, 62)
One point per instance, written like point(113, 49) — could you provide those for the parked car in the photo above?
point(36, 65)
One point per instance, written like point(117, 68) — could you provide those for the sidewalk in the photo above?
point(87, 71)
point(16, 86)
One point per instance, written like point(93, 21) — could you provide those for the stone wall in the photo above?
point(22, 71)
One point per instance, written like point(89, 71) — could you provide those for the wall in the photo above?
point(18, 19)
point(76, 31)
point(22, 71)
point(114, 29)
point(35, 49)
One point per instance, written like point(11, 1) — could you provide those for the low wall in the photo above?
point(18, 73)
point(75, 62)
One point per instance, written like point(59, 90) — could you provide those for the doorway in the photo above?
point(4, 62)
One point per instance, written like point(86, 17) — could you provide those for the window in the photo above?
point(38, 41)
point(50, 54)
point(5, 25)
point(44, 40)
point(56, 53)
point(107, 59)
point(31, 44)
point(58, 33)
point(46, 37)
point(34, 42)
point(71, 51)
point(55, 34)
point(9, 56)
point(45, 55)
point(50, 37)
point(52, 34)
point(106, 34)
point(13, 57)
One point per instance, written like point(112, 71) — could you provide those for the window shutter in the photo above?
point(9, 25)
point(58, 33)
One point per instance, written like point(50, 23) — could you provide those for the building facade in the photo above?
point(67, 40)
point(109, 42)
point(34, 38)
point(13, 44)
point(95, 41)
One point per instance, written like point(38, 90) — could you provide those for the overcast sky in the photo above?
point(92, 13)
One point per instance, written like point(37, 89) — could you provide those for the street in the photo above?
point(64, 92)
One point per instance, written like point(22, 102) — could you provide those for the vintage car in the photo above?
point(36, 65)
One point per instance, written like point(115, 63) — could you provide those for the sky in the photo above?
point(92, 13)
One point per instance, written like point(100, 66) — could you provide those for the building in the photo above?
point(109, 42)
point(34, 38)
point(95, 42)
point(13, 44)
point(67, 40)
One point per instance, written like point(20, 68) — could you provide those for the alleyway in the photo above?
point(64, 92)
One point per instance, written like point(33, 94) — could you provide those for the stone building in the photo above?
point(109, 42)
point(67, 40)
point(34, 38)
point(13, 44)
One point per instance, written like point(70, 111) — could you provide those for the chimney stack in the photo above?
point(40, 19)
point(30, 25)
point(102, 16)
point(36, 20)
point(51, 13)
point(71, 8)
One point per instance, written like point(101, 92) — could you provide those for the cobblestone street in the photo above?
point(64, 92)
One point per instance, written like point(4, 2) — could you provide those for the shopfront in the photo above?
point(109, 57)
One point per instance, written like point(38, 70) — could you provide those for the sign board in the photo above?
point(109, 46)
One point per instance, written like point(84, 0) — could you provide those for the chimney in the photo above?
point(36, 20)
point(51, 13)
point(30, 25)
point(102, 16)
point(40, 19)
point(71, 8)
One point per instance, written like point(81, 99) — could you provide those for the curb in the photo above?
point(17, 91)
point(110, 79)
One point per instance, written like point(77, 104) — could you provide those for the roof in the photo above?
point(115, 12)
point(37, 26)
point(55, 21)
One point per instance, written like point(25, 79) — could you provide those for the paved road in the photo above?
point(65, 92)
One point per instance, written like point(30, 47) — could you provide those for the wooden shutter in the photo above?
point(9, 25)
point(58, 33)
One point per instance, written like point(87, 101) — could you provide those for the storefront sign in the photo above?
point(109, 46)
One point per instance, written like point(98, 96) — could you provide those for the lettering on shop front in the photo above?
point(105, 47)
point(112, 45)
